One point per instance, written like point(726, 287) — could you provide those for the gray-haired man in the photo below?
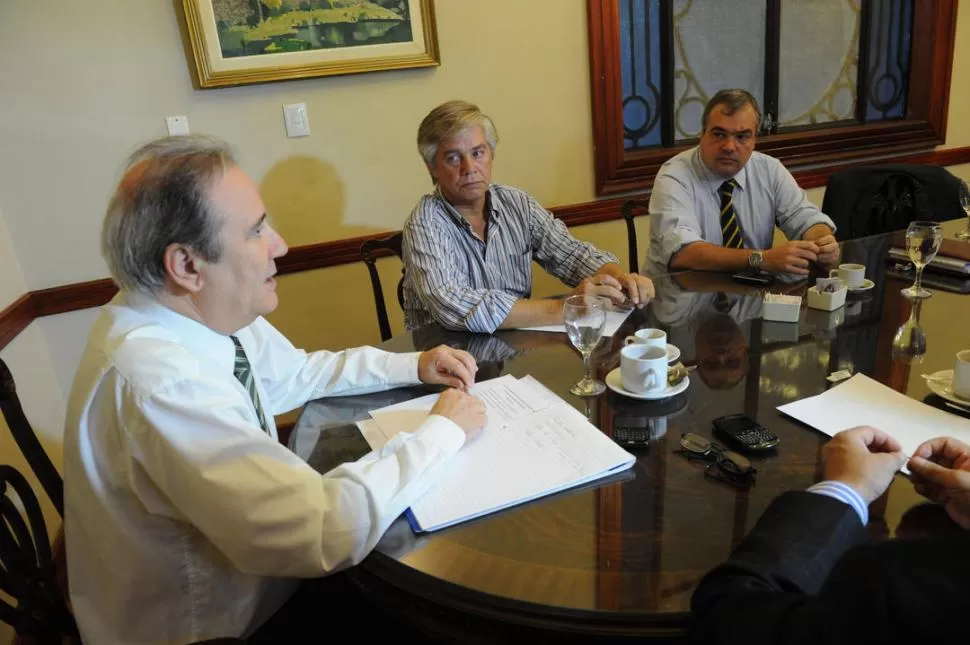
point(469, 246)
point(186, 519)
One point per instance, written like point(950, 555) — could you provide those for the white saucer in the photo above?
point(615, 383)
point(940, 384)
point(865, 286)
point(673, 353)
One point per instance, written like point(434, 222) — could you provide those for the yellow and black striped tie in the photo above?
point(243, 371)
point(730, 228)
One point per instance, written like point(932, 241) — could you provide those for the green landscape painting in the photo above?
point(257, 27)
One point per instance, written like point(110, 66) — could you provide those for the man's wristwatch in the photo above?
point(755, 259)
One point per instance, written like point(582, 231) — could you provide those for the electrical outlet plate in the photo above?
point(296, 120)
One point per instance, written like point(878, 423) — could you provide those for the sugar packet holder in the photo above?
point(780, 307)
point(828, 294)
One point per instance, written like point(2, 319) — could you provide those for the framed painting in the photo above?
point(239, 42)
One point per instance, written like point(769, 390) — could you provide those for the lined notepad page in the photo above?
point(534, 444)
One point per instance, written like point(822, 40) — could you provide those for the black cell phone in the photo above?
point(760, 278)
point(631, 435)
point(745, 433)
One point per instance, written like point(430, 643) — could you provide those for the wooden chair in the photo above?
point(628, 210)
point(33, 574)
point(24, 435)
point(370, 251)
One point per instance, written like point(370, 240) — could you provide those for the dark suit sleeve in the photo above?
point(805, 575)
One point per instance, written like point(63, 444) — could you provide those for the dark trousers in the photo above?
point(324, 606)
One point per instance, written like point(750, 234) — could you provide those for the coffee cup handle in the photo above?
point(629, 340)
point(833, 273)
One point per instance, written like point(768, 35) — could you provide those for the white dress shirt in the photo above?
point(685, 206)
point(184, 519)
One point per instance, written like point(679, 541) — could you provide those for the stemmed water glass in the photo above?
point(585, 317)
point(923, 240)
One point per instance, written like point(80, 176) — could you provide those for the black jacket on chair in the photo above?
point(879, 199)
point(806, 574)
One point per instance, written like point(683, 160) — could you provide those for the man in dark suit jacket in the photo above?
point(806, 574)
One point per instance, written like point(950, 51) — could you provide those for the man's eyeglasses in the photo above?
point(724, 465)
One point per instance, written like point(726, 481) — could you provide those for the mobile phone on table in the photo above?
point(745, 433)
point(760, 278)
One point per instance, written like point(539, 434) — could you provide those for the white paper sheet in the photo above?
point(506, 398)
point(864, 401)
point(614, 318)
point(534, 444)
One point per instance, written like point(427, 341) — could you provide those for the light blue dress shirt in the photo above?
point(685, 206)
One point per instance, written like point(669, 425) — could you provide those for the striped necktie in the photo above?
point(244, 372)
point(730, 228)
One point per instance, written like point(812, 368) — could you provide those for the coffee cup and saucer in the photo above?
point(656, 338)
point(853, 276)
point(642, 373)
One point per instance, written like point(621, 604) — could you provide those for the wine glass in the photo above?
point(923, 240)
point(585, 317)
point(965, 203)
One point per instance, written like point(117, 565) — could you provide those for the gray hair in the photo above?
point(731, 101)
point(449, 120)
point(163, 199)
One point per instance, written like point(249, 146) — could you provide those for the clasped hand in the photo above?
point(626, 288)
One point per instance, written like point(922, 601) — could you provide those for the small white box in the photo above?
point(781, 308)
point(826, 301)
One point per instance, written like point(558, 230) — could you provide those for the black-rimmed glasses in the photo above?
point(724, 465)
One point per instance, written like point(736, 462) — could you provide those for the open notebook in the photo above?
point(534, 444)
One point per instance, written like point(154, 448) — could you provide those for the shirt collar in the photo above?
point(493, 213)
point(715, 181)
point(200, 340)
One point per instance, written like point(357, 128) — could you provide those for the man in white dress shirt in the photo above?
point(715, 206)
point(186, 519)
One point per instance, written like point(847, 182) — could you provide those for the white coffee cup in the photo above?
point(851, 275)
point(648, 336)
point(961, 374)
point(643, 368)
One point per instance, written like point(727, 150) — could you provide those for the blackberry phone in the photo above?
point(745, 433)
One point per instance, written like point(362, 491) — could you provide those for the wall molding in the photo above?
point(94, 293)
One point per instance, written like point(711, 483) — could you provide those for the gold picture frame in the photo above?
point(241, 42)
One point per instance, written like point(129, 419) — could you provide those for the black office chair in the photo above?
point(629, 208)
point(879, 199)
point(370, 251)
point(24, 435)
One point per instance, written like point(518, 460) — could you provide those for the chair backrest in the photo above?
point(370, 251)
point(27, 572)
point(24, 435)
point(879, 199)
point(629, 210)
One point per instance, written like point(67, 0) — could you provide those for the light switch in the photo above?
point(296, 120)
point(177, 125)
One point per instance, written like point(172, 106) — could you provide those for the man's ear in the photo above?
point(184, 267)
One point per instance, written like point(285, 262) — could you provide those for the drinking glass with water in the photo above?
point(965, 204)
point(585, 317)
point(923, 241)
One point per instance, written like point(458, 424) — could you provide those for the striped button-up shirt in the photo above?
point(454, 278)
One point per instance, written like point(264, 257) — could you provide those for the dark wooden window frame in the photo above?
point(619, 170)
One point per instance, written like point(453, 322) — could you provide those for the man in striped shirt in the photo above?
point(469, 245)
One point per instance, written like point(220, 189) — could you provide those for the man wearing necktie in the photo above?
point(716, 206)
point(186, 519)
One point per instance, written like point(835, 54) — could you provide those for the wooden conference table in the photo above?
point(620, 559)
